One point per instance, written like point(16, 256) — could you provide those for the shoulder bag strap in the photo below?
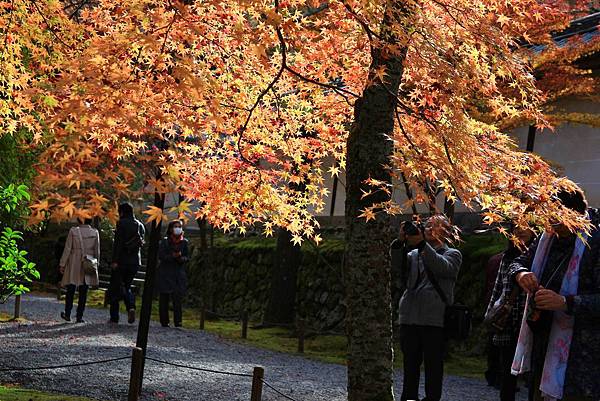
point(436, 285)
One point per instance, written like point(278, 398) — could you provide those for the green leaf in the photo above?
point(50, 101)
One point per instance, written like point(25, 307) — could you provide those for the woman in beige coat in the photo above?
point(72, 267)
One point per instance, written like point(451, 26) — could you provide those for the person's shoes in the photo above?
point(165, 325)
point(131, 316)
point(177, 324)
point(65, 317)
point(80, 320)
point(113, 322)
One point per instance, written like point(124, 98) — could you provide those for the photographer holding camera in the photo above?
point(421, 312)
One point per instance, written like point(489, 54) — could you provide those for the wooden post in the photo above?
point(137, 357)
point(257, 383)
point(300, 328)
point(245, 324)
point(202, 317)
point(17, 306)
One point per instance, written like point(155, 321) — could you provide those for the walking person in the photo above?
point(559, 338)
point(173, 254)
point(422, 309)
point(83, 241)
point(506, 294)
point(126, 261)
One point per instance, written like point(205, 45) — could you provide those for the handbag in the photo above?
point(89, 263)
point(500, 314)
point(457, 317)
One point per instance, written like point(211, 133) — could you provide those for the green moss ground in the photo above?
point(21, 394)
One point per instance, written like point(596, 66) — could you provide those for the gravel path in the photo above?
point(47, 340)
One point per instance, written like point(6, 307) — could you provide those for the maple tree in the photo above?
point(213, 99)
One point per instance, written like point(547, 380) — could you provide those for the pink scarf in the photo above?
point(561, 334)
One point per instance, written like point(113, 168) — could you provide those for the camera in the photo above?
point(412, 228)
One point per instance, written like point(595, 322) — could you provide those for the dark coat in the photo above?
point(171, 277)
point(126, 249)
point(583, 369)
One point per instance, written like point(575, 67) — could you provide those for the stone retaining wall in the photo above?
point(238, 276)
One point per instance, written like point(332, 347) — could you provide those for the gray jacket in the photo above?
point(420, 303)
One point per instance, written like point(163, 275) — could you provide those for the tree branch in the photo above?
point(50, 28)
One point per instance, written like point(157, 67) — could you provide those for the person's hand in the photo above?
point(114, 265)
point(414, 240)
point(549, 300)
point(411, 240)
point(527, 281)
point(61, 269)
point(177, 254)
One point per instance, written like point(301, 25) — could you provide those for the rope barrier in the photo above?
point(277, 391)
point(63, 366)
point(20, 369)
point(199, 369)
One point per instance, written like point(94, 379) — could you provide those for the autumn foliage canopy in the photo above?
point(236, 103)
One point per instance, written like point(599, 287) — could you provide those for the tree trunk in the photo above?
point(152, 262)
point(334, 193)
point(531, 138)
point(409, 195)
point(203, 232)
point(449, 209)
point(282, 300)
point(367, 264)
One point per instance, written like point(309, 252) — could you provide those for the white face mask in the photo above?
point(177, 231)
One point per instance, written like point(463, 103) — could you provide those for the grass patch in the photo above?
point(9, 317)
point(10, 393)
point(327, 348)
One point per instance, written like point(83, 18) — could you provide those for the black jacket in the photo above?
point(126, 249)
point(171, 277)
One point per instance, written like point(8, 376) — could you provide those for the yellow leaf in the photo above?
point(155, 214)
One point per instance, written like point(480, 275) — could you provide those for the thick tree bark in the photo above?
point(367, 263)
point(282, 300)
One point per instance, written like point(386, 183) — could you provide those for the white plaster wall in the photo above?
point(575, 150)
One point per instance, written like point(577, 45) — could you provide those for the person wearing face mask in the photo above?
point(559, 337)
point(173, 254)
point(126, 260)
point(421, 310)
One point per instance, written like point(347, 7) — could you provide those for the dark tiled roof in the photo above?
point(586, 28)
